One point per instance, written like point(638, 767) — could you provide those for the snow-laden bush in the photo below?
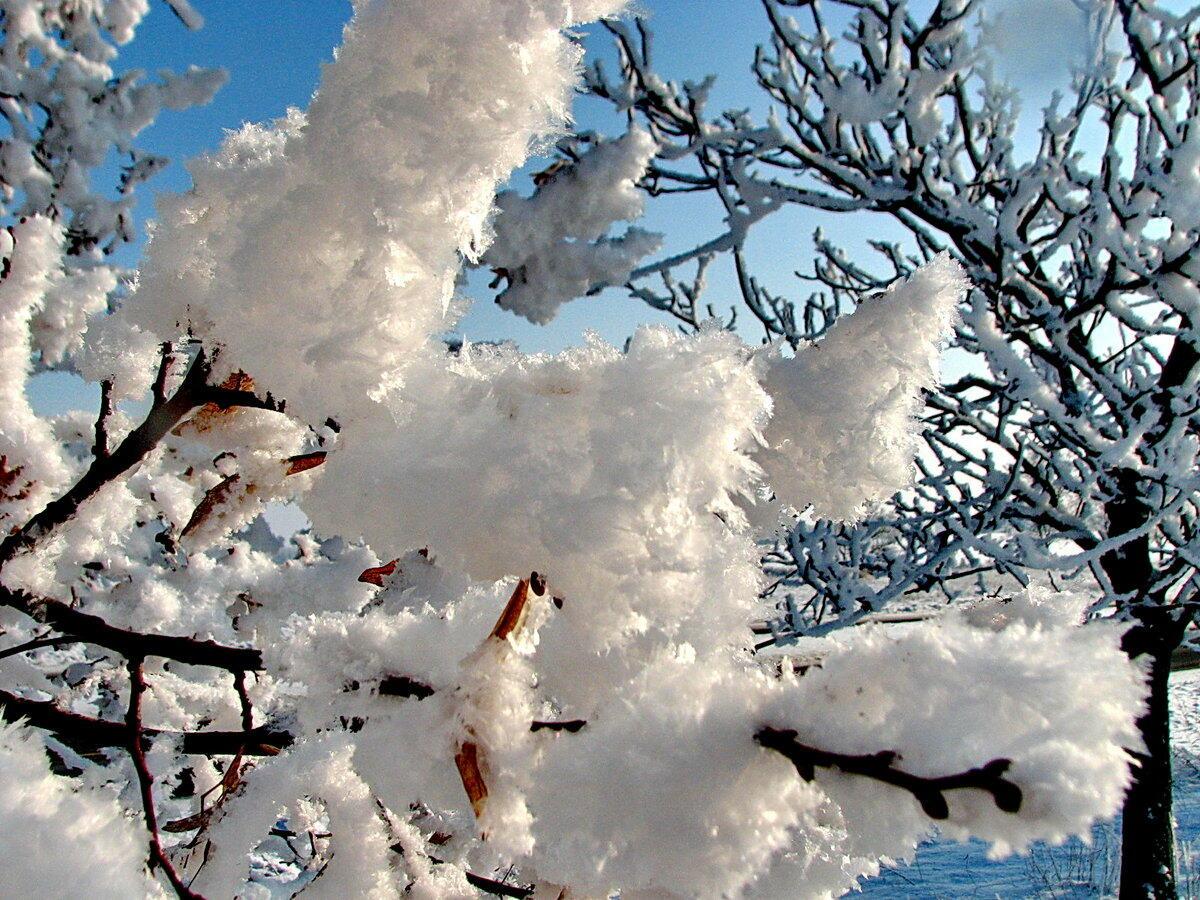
point(1051, 149)
point(516, 640)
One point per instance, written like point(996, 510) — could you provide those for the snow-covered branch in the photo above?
point(385, 702)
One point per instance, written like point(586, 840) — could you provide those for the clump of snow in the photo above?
point(33, 466)
point(187, 14)
point(956, 695)
point(1035, 606)
point(322, 769)
point(842, 432)
point(325, 282)
point(92, 841)
point(116, 350)
point(552, 248)
point(613, 473)
point(61, 321)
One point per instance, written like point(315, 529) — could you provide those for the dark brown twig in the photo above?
point(95, 630)
point(100, 448)
point(498, 888)
point(239, 685)
point(403, 686)
point(487, 885)
point(164, 415)
point(133, 721)
point(165, 360)
point(37, 645)
point(86, 735)
point(225, 788)
point(569, 725)
point(228, 398)
point(929, 792)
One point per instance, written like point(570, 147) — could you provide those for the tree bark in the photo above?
point(1147, 826)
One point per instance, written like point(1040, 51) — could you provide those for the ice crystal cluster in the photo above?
point(553, 247)
point(436, 713)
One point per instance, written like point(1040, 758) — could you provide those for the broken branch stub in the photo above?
point(469, 757)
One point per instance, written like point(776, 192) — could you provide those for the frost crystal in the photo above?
point(552, 247)
point(325, 282)
point(842, 433)
point(92, 841)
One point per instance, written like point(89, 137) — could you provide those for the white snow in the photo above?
point(60, 834)
point(620, 475)
point(552, 248)
point(841, 434)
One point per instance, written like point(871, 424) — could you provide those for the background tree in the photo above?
point(1067, 442)
point(515, 641)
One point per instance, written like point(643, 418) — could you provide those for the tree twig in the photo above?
point(86, 734)
point(164, 415)
point(239, 685)
point(133, 722)
point(929, 792)
point(95, 630)
point(403, 686)
point(100, 448)
point(37, 645)
point(165, 359)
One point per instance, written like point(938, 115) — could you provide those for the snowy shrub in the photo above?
point(1050, 148)
point(516, 638)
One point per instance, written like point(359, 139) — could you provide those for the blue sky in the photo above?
point(273, 53)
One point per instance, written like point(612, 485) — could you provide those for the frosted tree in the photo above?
point(513, 654)
point(1068, 446)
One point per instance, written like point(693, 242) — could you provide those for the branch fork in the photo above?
point(881, 766)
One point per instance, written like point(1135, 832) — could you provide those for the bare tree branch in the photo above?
point(929, 792)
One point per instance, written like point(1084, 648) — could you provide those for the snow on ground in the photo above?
point(945, 870)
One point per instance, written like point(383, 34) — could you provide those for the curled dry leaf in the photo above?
point(514, 615)
point(466, 758)
point(215, 498)
point(234, 489)
point(376, 574)
point(510, 617)
point(305, 461)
